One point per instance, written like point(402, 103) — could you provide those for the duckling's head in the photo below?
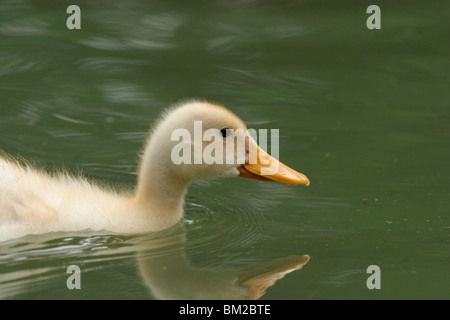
point(199, 140)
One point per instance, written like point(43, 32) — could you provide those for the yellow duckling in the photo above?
point(33, 202)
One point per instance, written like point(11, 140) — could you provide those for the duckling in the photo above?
point(34, 202)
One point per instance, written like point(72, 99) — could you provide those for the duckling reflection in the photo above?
point(162, 259)
point(168, 273)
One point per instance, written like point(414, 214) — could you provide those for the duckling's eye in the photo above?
point(225, 132)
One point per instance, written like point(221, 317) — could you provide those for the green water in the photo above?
point(363, 113)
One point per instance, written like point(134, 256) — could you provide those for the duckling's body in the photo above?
point(33, 202)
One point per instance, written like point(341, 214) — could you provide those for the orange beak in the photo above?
point(262, 166)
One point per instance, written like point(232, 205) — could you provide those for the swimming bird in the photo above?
point(35, 202)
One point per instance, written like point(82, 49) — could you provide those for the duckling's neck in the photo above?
point(159, 197)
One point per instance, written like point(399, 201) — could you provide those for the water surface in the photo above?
point(363, 113)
